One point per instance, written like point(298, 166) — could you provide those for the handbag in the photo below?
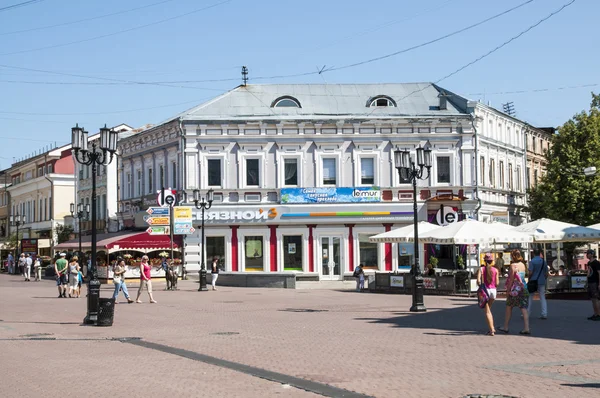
point(117, 280)
point(517, 286)
point(532, 285)
point(483, 296)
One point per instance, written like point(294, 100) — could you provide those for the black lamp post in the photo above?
point(16, 221)
point(97, 155)
point(83, 213)
point(408, 169)
point(203, 203)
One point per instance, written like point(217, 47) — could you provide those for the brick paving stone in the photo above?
point(368, 343)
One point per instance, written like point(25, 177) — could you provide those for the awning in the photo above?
point(140, 241)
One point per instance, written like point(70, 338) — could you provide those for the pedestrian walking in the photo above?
point(37, 268)
point(62, 281)
point(538, 275)
point(516, 292)
point(11, 263)
point(119, 281)
point(145, 280)
point(27, 267)
point(488, 277)
point(359, 274)
point(74, 271)
point(215, 272)
point(22, 263)
point(592, 281)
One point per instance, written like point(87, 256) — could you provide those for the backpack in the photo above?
point(356, 272)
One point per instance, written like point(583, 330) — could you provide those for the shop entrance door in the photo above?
point(331, 266)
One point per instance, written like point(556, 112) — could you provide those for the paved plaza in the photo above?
point(238, 342)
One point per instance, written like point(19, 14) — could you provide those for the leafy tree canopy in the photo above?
point(564, 194)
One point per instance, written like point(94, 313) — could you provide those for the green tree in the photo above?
point(63, 232)
point(564, 194)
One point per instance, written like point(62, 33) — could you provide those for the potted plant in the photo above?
point(433, 261)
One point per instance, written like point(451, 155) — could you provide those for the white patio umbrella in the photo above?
point(403, 234)
point(546, 230)
point(595, 226)
point(472, 232)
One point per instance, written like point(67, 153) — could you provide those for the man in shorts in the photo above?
point(62, 279)
point(592, 281)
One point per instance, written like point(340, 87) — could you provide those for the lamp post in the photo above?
point(83, 213)
point(204, 204)
point(411, 169)
point(16, 221)
point(97, 155)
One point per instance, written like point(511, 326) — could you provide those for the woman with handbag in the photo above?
point(516, 292)
point(119, 281)
point(488, 279)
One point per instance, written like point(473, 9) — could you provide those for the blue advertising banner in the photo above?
point(330, 195)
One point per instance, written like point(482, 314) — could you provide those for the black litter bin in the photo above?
point(106, 313)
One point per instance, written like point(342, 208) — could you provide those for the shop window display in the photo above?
point(254, 253)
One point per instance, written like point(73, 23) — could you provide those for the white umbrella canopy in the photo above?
point(547, 230)
point(472, 232)
point(403, 234)
point(595, 226)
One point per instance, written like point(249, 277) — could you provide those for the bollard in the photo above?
point(202, 287)
point(93, 302)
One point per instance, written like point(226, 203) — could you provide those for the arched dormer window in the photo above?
point(286, 102)
point(381, 101)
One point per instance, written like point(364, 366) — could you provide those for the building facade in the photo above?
point(39, 190)
point(538, 143)
point(5, 246)
point(148, 160)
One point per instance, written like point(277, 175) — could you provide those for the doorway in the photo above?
point(331, 267)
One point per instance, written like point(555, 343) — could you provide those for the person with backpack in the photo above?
point(359, 274)
point(538, 274)
point(488, 280)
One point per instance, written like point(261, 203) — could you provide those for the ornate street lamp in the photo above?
point(97, 155)
point(16, 221)
point(408, 169)
point(203, 203)
point(83, 213)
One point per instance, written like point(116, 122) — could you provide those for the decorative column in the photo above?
point(350, 248)
point(311, 249)
point(273, 247)
point(388, 250)
point(234, 248)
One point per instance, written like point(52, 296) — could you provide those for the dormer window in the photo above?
point(381, 101)
point(286, 102)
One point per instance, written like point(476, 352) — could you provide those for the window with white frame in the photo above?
point(510, 177)
point(150, 180)
point(290, 172)
point(214, 172)
point(443, 169)
point(252, 172)
point(492, 173)
point(518, 178)
point(329, 171)
point(501, 174)
point(173, 175)
point(50, 168)
point(139, 183)
point(129, 186)
point(253, 249)
point(482, 170)
point(161, 175)
point(367, 171)
point(368, 253)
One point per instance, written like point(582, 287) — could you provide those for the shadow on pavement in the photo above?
point(43, 323)
point(566, 321)
point(584, 385)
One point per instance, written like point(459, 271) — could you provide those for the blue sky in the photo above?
point(274, 37)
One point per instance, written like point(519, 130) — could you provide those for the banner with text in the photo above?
point(330, 195)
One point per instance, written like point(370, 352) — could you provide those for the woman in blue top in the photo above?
point(516, 292)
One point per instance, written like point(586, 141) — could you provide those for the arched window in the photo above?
point(381, 101)
point(286, 102)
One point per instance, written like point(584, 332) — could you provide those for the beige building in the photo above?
point(41, 189)
point(538, 141)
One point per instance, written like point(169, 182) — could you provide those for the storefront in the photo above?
point(324, 240)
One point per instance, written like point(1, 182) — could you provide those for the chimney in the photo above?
point(443, 101)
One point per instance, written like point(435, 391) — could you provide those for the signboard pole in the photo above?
point(171, 235)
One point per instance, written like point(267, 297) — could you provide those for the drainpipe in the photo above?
point(183, 195)
point(50, 204)
point(476, 213)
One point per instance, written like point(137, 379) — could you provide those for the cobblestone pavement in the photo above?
point(239, 342)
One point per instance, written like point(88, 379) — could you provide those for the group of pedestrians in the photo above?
point(145, 281)
point(69, 276)
point(521, 295)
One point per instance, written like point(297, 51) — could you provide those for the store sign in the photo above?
point(238, 215)
point(182, 220)
point(331, 195)
point(446, 215)
point(501, 217)
point(578, 282)
point(162, 230)
point(397, 281)
point(29, 245)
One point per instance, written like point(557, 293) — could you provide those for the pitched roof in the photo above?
point(326, 101)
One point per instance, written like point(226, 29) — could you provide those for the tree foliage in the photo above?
point(564, 194)
point(63, 232)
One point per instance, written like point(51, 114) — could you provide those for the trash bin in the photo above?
point(106, 312)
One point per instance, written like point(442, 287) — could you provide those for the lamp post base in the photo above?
point(93, 302)
point(202, 287)
point(418, 305)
